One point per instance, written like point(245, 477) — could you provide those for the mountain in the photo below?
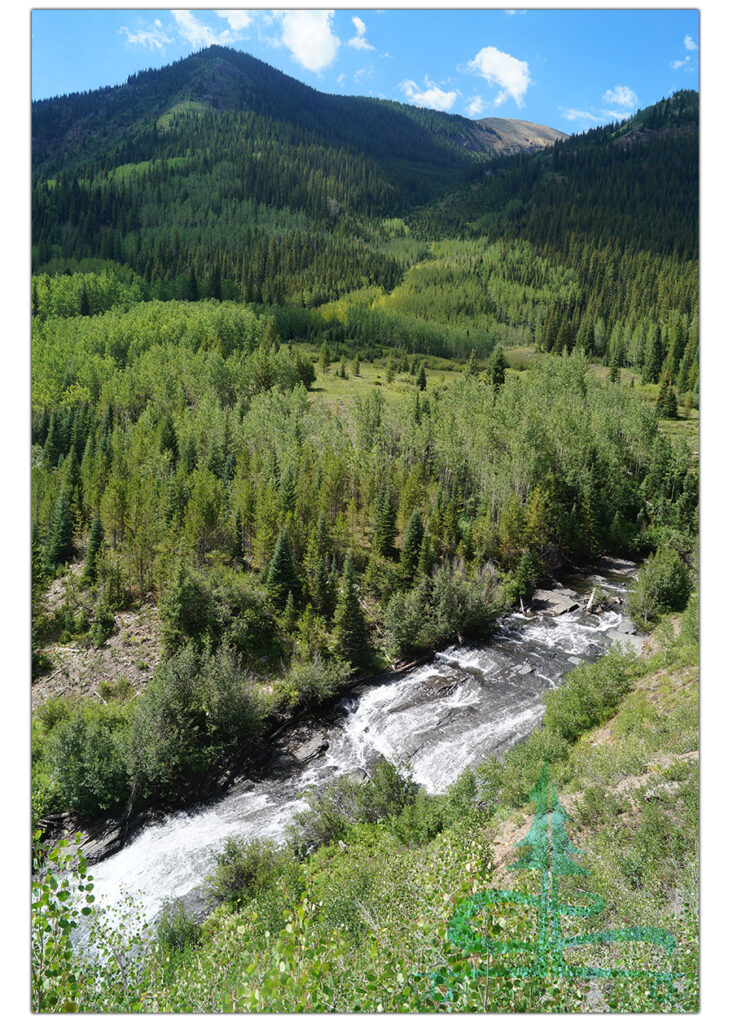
point(73, 130)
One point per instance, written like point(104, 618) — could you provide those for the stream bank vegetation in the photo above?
point(352, 913)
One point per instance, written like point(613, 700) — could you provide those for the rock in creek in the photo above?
point(316, 745)
point(555, 602)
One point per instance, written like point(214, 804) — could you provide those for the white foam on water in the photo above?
point(441, 765)
point(439, 733)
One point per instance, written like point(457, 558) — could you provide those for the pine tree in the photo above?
point(169, 439)
point(390, 368)
point(526, 574)
point(324, 358)
point(356, 368)
point(84, 307)
point(667, 402)
point(215, 281)
point(94, 546)
point(411, 547)
point(193, 286)
point(613, 374)
point(385, 528)
point(60, 544)
point(289, 617)
point(471, 365)
point(496, 370)
point(349, 625)
point(653, 357)
point(321, 589)
point(54, 446)
point(281, 575)
point(421, 379)
point(425, 561)
point(287, 492)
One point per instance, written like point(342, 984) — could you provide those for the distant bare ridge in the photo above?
point(511, 135)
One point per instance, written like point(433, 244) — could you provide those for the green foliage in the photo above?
point(663, 586)
point(94, 545)
point(411, 547)
point(281, 576)
point(244, 868)
point(87, 753)
point(195, 711)
point(62, 894)
point(349, 625)
point(176, 930)
point(60, 544)
point(333, 809)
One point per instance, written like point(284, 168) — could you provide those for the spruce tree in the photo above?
point(169, 439)
point(321, 590)
point(289, 618)
point(193, 286)
point(349, 625)
point(390, 369)
point(60, 545)
point(667, 402)
point(287, 492)
point(356, 369)
point(421, 380)
point(94, 545)
point(325, 358)
point(385, 527)
point(496, 370)
point(411, 547)
point(653, 357)
point(281, 575)
point(425, 561)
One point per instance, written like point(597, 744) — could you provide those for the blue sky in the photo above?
point(569, 69)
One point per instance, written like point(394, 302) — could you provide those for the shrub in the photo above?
point(87, 754)
point(309, 682)
point(347, 801)
point(244, 868)
point(663, 586)
point(176, 928)
point(196, 709)
point(589, 696)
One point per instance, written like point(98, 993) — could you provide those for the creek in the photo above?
point(438, 719)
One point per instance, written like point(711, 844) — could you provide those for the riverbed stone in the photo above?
point(312, 747)
point(555, 602)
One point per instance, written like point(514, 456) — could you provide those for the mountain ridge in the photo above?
point(222, 79)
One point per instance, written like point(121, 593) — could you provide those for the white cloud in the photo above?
point(359, 40)
point(621, 95)
point(238, 20)
point(578, 115)
point(309, 37)
point(690, 43)
point(476, 106)
point(677, 64)
point(198, 34)
point(433, 97)
point(504, 70)
point(154, 37)
point(515, 12)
